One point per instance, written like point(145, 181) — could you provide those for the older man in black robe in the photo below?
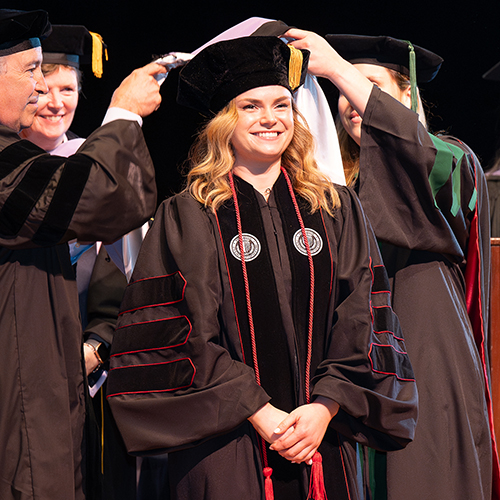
point(103, 191)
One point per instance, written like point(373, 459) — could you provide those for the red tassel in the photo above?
point(268, 483)
point(316, 483)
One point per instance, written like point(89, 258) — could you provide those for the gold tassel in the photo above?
point(97, 50)
point(295, 67)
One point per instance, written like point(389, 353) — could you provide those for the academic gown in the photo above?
point(102, 192)
point(105, 293)
point(426, 199)
point(183, 377)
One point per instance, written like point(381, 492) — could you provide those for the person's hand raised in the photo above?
point(322, 56)
point(140, 91)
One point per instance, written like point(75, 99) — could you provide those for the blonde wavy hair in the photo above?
point(349, 149)
point(211, 159)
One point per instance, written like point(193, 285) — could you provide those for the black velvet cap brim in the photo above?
point(387, 52)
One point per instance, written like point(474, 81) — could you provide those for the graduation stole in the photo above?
point(282, 369)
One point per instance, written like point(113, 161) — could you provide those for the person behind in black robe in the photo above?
point(113, 469)
point(100, 193)
point(255, 343)
point(426, 199)
point(110, 471)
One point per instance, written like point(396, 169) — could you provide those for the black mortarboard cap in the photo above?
point(73, 45)
point(386, 51)
point(22, 30)
point(493, 73)
point(224, 70)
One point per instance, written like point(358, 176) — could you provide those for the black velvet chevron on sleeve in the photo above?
point(65, 200)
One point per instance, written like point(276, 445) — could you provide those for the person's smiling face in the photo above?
point(265, 125)
point(56, 109)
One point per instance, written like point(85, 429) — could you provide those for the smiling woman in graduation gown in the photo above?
point(231, 310)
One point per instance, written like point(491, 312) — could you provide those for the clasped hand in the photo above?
point(295, 436)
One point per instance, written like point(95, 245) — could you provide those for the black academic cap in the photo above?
point(22, 30)
point(388, 52)
point(73, 45)
point(493, 73)
point(224, 70)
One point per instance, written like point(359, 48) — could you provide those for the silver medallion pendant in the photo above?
point(251, 247)
point(313, 238)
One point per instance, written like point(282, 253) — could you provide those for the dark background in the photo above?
point(466, 35)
